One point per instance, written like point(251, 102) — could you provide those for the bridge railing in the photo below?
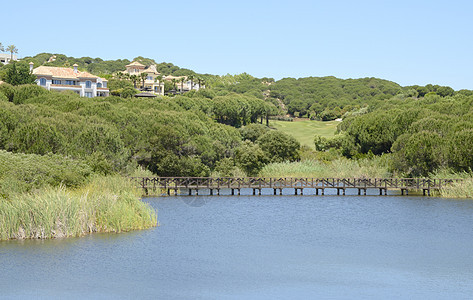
point(290, 182)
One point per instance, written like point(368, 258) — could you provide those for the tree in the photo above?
point(134, 78)
point(143, 78)
point(174, 81)
point(119, 75)
point(18, 73)
point(253, 132)
point(1, 48)
point(191, 78)
point(279, 147)
point(12, 49)
point(158, 79)
point(182, 80)
point(201, 82)
point(250, 158)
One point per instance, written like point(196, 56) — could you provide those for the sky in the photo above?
point(405, 41)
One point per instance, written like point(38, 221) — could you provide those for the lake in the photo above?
point(260, 247)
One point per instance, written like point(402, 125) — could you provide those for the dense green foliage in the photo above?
point(328, 98)
point(215, 131)
point(175, 136)
point(17, 73)
point(21, 173)
point(423, 134)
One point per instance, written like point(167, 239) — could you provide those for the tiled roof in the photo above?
point(170, 77)
point(60, 72)
point(152, 69)
point(135, 64)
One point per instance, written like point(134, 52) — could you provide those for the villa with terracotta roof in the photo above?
point(151, 83)
point(67, 79)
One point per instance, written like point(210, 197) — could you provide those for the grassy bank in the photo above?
point(339, 168)
point(104, 204)
point(304, 131)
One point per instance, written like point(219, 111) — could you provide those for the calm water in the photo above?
point(282, 247)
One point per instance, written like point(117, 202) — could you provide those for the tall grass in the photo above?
point(104, 204)
point(340, 168)
point(462, 189)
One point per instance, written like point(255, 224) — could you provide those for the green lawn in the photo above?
point(304, 131)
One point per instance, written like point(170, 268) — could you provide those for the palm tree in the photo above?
point(1, 48)
point(12, 49)
point(182, 80)
point(159, 78)
point(134, 78)
point(174, 83)
point(143, 78)
point(191, 78)
point(119, 75)
point(201, 82)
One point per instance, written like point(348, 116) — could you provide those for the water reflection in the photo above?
point(210, 247)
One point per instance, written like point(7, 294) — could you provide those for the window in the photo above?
point(99, 85)
point(42, 81)
point(55, 81)
point(88, 84)
point(88, 94)
point(70, 82)
point(104, 84)
point(149, 78)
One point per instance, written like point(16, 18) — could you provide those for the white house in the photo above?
point(151, 83)
point(6, 58)
point(67, 79)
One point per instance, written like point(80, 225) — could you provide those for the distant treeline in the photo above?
point(423, 134)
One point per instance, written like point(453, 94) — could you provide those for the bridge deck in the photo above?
point(257, 183)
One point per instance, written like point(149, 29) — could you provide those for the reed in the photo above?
point(104, 204)
point(462, 189)
point(339, 168)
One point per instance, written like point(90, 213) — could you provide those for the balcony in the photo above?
point(66, 86)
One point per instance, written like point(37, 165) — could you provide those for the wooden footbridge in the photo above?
point(174, 185)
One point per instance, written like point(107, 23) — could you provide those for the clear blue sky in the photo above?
point(406, 41)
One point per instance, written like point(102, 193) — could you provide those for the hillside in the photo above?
point(99, 66)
